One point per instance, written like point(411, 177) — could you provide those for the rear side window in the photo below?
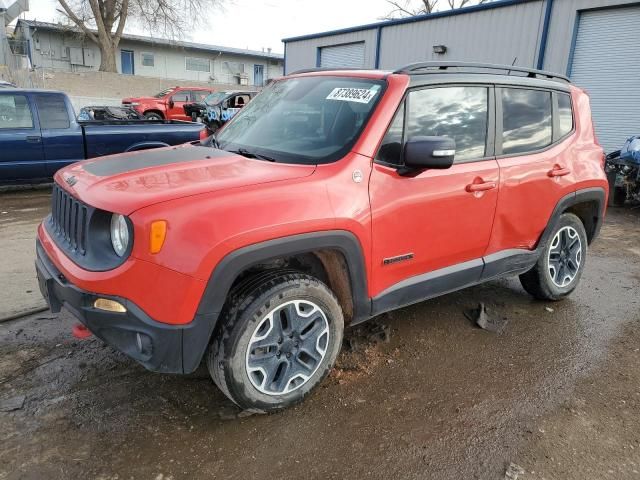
point(183, 96)
point(52, 111)
point(456, 112)
point(526, 120)
point(390, 150)
point(565, 115)
point(15, 112)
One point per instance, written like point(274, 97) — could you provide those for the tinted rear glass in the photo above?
point(565, 115)
point(526, 120)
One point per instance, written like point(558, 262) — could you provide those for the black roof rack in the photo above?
point(325, 69)
point(441, 67)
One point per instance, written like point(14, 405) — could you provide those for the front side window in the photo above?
point(15, 112)
point(456, 112)
point(565, 115)
point(526, 120)
point(306, 120)
point(52, 111)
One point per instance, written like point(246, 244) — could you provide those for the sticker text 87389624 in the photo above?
point(358, 95)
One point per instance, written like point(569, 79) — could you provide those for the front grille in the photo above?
point(69, 221)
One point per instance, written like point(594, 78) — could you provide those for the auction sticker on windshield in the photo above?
point(358, 95)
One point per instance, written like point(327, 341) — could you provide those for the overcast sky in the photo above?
point(257, 24)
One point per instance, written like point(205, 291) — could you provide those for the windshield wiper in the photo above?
point(246, 153)
point(210, 142)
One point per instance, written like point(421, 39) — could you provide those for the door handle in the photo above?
point(33, 139)
point(480, 187)
point(558, 171)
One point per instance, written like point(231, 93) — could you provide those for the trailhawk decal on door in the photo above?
point(358, 95)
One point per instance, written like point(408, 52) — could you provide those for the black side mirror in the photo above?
point(421, 153)
point(171, 103)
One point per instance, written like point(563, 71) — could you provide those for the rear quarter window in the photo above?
point(565, 114)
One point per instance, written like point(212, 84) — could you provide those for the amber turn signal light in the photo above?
point(157, 235)
point(109, 305)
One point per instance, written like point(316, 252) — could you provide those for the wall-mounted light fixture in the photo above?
point(440, 49)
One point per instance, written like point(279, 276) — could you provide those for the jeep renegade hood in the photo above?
point(125, 183)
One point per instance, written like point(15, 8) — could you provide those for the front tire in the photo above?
point(153, 116)
point(278, 338)
point(559, 268)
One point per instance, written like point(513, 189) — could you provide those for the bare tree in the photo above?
point(409, 8)
point(103, 21)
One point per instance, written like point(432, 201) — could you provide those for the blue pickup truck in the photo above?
point(39, 134)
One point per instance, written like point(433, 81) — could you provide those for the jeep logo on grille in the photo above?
point(71, 181)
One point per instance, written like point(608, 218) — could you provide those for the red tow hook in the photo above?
point(80, 331)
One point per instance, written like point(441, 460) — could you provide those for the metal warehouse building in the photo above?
point(595, 42)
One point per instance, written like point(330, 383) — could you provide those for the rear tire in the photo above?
point(558, 270)
point(277, 339)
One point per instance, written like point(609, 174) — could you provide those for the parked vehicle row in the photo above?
point(334, 196)
point(167, 104)
point(39, 134)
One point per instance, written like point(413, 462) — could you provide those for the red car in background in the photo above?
point(168, 104)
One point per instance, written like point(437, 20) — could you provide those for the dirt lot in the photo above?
point(557, 395)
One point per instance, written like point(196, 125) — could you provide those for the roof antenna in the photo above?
point(515, 59)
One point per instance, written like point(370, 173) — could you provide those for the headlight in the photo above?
point(119, 234)
point(134, 104)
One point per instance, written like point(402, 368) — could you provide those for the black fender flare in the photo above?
point(196, 337)
point(594, 194)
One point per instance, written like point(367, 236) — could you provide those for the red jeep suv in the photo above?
point(331, 198)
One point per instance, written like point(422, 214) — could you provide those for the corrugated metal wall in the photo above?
point(304, 53)
point(498, 35)
point(495, 35)
point(561, 29)
point(492, 35)
point(605, 64)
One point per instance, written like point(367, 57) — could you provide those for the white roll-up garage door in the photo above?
point(350, 55)
point(606, 64)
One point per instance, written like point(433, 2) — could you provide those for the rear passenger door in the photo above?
point(430, 220)
point(534, 151)
point(22, 156)
point(62, 137)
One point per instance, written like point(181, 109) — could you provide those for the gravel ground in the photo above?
point(555, 396)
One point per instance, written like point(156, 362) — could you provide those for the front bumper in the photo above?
point(157, 346)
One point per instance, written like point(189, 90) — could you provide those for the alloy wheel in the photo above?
point(565, 256)
point(287, 347)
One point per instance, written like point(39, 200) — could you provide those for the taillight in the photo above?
point(204, 134)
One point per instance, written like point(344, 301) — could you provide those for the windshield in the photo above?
point(305, 120)
point(215, 98)
point(163, 93)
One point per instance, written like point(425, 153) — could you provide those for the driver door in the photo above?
point(431, 228)
point(20, 140)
